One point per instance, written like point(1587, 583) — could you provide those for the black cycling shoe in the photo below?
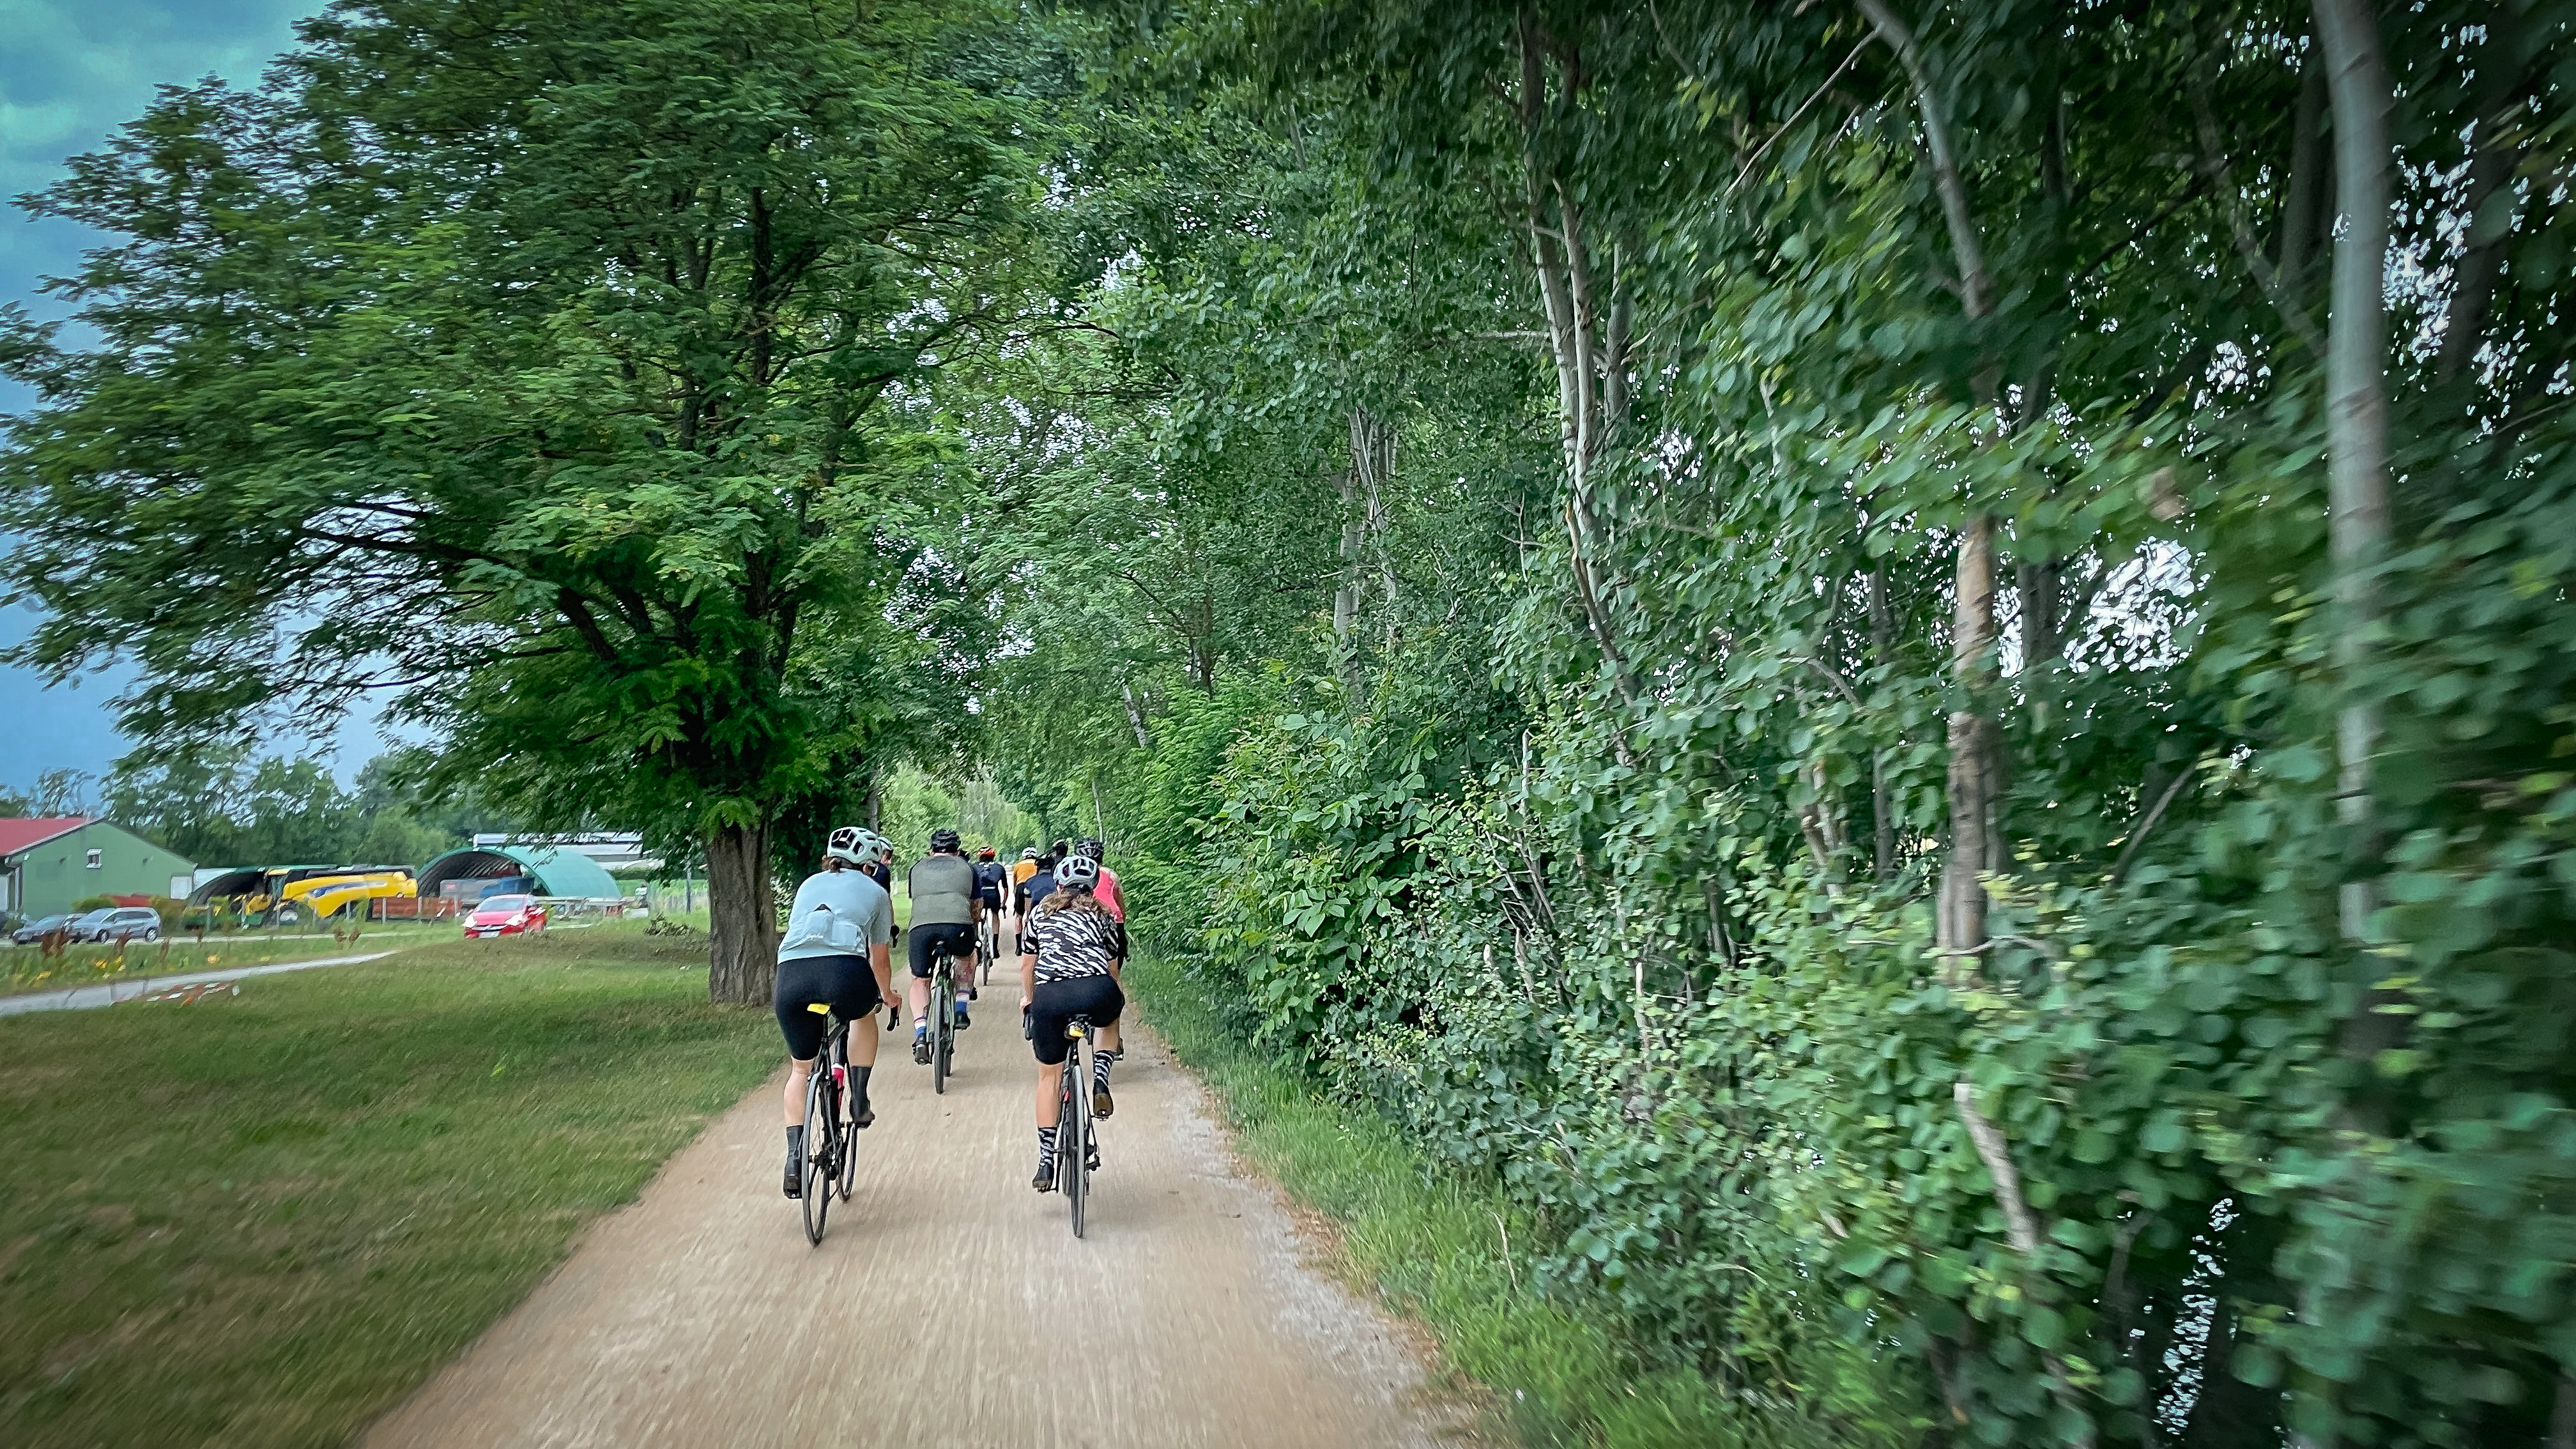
point(921, 1046)
point(795, 1177)
point(866, 1117)
point(1101, 1106)
point(962, 1022)
point(1044, 1178)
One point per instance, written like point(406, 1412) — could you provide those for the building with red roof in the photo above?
point(48, 864)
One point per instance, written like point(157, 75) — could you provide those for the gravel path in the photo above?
point(948, 1305)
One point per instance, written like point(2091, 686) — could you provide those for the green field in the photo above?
point(24, 968)
point(260, 1220)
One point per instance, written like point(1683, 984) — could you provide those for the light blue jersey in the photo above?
point(837, 913)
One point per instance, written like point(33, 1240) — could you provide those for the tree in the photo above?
point(550, 367)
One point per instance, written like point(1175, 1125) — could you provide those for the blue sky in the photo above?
point(72, 71)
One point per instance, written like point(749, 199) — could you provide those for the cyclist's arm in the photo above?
point(1028, 969)
point(881, 958)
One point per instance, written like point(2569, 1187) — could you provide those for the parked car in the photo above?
point(119, 923)
point(43, 926)
point(506, 916)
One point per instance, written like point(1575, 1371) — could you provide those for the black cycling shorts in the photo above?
point(960, 939)
point(844, 981)
point(1057, 1002)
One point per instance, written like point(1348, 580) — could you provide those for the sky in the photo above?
point(71, 72)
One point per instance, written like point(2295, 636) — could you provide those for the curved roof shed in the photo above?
point(556, 871)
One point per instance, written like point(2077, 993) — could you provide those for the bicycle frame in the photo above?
point(1073, 1140)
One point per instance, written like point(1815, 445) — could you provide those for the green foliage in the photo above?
point(219, 806)
point(1436, 1242)
point(1595, 838)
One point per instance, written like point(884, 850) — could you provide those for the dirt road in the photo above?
point(943, 1307)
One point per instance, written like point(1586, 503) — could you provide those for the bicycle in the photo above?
point(943, 1017)
point(1076, 1152)
point(831, 1149)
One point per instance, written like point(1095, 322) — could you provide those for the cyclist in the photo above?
point(1094, 851)
point(945, 910)
point(1070, 949)
point(837, 950)
point(1034, 885)
point(879, 865)
point(988, 891)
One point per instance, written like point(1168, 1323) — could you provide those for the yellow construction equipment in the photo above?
point(325, 894)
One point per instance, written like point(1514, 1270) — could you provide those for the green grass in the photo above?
point(260, 1220)
point(1430, 1242)
point(25, 968)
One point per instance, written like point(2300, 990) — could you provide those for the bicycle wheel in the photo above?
point(822, 1124)
point(941, 1024)
point(1073, 1140)
point(847, 1139)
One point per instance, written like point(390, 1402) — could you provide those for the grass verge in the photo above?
point(261, 1220)
point(1432, 1244)
point(25, 968)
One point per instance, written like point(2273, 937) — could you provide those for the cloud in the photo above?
point(71, 72)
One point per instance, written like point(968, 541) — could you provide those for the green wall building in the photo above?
point(45, 865)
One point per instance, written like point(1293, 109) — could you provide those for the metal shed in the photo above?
point(547, 870)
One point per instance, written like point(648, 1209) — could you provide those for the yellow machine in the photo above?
point(326, 894)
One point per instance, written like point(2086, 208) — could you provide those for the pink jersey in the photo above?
point(1107, 894)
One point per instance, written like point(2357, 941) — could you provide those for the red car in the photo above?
point(506, 916)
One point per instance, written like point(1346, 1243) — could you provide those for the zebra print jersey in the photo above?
point(1073, 944)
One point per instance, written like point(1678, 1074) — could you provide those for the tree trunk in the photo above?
point(2357, 390)
point(743, 912)
point(1960, 912)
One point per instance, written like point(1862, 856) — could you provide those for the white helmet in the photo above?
point(1077, 871)
point(850, 843)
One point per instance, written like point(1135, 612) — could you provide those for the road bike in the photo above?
point(988, 944)
point(1076, 1152)
point(831, 1150)
point(943, 1016)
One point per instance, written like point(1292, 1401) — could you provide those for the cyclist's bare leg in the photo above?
point(797, 1072)
point(1050, 1094)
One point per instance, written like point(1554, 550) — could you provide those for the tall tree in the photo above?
point(546, 364)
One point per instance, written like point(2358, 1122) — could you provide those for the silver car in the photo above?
point(118, 923)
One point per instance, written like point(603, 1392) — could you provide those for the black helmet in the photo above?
point(1091, 850)
point(943, 842)
point(1077, 872)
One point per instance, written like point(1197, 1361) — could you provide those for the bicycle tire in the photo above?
point(940, 1027)
point(846, 1139)
point(1073, 1140)
point(822, 1118)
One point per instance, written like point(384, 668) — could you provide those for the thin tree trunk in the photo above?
point(1960, 912)
point(1882, 644)
point(1135, 715)
point(1960, 909)
point(2357, 390)
point(742, 914)
point(2307, 181)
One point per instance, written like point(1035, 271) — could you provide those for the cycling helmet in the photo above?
point(944, 841)
point(984, 853)
point(849, 843)
point(1091, 850)
point(1028, 852)
point(1077, 872)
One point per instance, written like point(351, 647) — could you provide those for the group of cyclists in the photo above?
point(1060, 910)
